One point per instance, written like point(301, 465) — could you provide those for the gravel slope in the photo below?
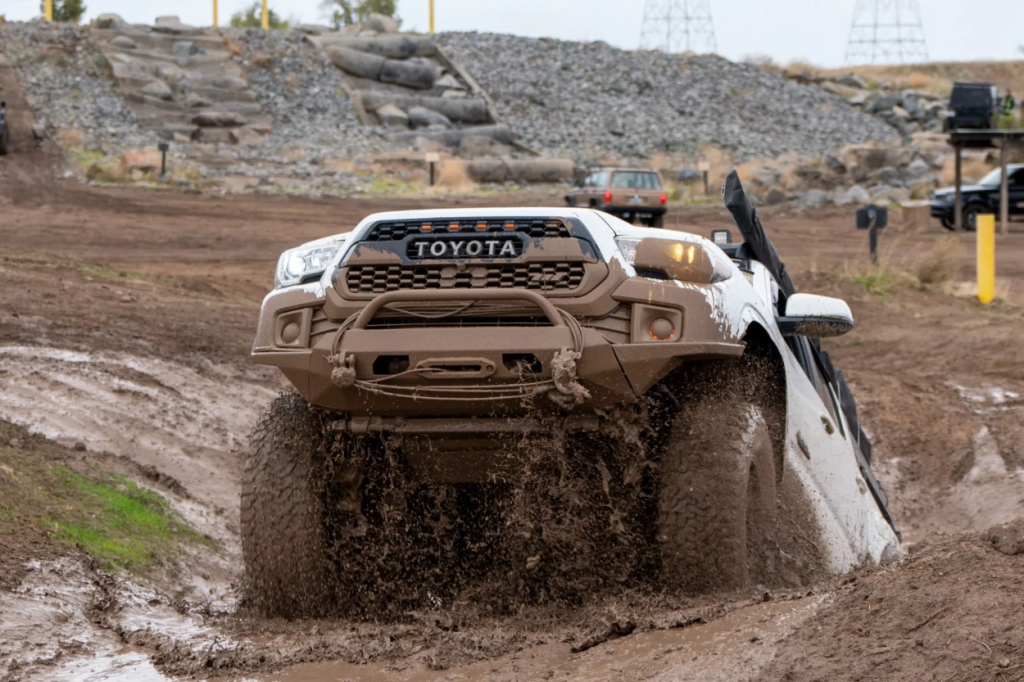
point(589, 100)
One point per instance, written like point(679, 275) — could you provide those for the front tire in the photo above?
point(971, 214)
point(288, 571)
point(717, 502)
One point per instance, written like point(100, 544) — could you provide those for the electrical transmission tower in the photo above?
point(886, 32)
point(678, 26)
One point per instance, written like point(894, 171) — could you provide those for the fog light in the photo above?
point(290, 333)
point(662, 330)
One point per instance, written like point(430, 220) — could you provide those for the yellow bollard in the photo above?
point(215, 13)
point(266, 16)
point(49, 10)
point(431, 17)
point(986, 228)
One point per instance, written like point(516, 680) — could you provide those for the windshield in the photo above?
point(993, 179)
point(635, 180)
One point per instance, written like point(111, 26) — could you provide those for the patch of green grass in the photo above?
point(120, 523)
point(880, 280)
point(117, 522)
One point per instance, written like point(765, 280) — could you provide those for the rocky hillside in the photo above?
point(586, 101)
point(592, 101)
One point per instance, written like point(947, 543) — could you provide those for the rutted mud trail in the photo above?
point(125, 318)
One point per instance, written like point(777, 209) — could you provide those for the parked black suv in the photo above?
point(980, 198)
point(974, 106)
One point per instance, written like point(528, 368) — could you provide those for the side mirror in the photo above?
point(818, 317)
point(678, 260)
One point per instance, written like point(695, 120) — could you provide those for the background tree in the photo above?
point(252, 18)
point(348, 12)
point(65, 10)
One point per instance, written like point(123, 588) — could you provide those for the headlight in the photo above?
point(627, 247)
point(304, 264)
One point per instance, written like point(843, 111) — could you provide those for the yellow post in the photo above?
point(49, 10)
point(986, 228)
point(431, 17)
point(266, 16)
point(215, 13)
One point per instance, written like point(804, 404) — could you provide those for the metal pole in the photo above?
point(265, 17)
point(431, 19)
point(1004, 190)
point(215, 13)
point(49, 10)
point(873, 232)
point(986, 258)
point(958, 212)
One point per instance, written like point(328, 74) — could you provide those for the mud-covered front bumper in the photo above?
point(619, 359)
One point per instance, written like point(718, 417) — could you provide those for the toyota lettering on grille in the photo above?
point(441, 248)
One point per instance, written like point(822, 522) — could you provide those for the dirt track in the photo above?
point(125, 320)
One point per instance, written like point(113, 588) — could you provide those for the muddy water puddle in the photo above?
point(732, 648)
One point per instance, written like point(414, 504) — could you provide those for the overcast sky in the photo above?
point(813, 30)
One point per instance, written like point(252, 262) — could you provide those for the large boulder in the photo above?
point(391, 115)
point(475, 147)
point(449, 82)
point(815, 198)
point(421, 117)
point(158, 89)
point(357, 63)
point(173, 25)
point(411, 74)
point(218, 119)
point(381, 24)
point(453, 138)
point(918, 171)
point(170, 73)
point(852, 80)
point(124, 42)
point(464, 110)
point(110, 21)
point(230, 83)
point(401, 46)
point(185, 48)
point(856, 195)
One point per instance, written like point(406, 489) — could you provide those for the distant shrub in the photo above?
point(69, 11)
point(253, 18)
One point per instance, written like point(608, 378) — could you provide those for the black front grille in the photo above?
point(534, 227)
point(378, 279)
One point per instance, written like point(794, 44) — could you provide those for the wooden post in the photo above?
point(49, 10)
point(431, 17)
point(265, 17)
point(958, 211)
point(215, 13)
point(1004, 190)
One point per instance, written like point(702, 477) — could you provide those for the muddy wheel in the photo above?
point(717, 497)
point(657, 221)
point(5, 140)
point(287, 569)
